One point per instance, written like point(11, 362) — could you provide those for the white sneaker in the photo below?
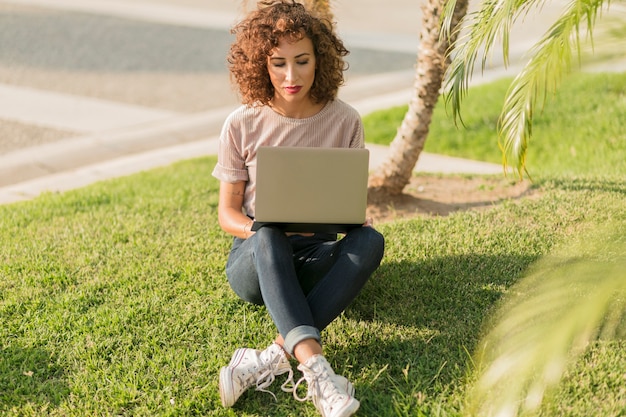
point(250, 367)
point(331, 394)
point(345, 384)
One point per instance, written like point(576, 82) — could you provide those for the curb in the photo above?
point(119, 167)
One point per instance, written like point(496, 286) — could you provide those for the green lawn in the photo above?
point(579, 130)
point(113, 298)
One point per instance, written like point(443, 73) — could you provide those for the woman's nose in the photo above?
point(291, 73)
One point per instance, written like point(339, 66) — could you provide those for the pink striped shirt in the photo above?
point(337, 125)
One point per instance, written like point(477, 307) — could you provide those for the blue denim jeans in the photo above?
point(304, 282)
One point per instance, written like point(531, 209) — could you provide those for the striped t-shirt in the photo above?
point(337, 125)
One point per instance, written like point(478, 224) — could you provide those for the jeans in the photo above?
point(305, 282)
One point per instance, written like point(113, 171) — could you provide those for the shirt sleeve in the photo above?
point(358, 133)
point(231, 164)
point(358, 140)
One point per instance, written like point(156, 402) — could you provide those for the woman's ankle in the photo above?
point(307, 349)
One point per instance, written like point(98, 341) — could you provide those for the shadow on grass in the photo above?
point(589, 184)
point(437, 310)
point(416, 326)
point(29, 376)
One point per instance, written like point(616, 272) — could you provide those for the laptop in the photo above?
point(321, 190)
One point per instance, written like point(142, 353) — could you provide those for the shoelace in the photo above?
point(268, 376)
point(320, 386)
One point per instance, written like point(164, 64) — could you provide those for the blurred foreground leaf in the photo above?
point(568, 300)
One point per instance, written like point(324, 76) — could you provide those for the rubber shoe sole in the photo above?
point(227, 391)
point(226, 388)
point(348, 409)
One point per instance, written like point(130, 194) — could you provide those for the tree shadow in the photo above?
point(589, 184)
point(439, 307)
point(30, 375)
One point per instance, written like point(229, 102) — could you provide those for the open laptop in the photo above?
point(311, 189)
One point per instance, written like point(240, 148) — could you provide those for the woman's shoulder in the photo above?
point(245, 115)
point(341, 110)
point(340, 105)
point(243, 112)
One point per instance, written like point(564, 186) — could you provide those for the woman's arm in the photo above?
point(230, 215)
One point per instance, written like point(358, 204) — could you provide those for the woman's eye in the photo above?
point(303, 62)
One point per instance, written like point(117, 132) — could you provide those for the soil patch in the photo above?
point(443, 195)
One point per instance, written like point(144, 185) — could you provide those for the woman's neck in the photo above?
point(301, 110)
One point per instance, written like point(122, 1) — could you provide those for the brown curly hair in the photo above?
point(260, 33)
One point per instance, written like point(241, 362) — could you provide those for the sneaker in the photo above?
point(331, 394)
point(345, 384)
point(250, 367)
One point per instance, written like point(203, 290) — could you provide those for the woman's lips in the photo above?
point(294, 89)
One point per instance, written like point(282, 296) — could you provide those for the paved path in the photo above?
point(71, 112)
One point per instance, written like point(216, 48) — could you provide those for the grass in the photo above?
point(113, 298)
point(578, 132)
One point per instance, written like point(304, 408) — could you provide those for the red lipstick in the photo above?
point(293, 89)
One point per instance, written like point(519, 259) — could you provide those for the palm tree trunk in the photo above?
point(432, 61)
point(320, 7)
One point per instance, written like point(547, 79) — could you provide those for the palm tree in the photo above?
point(437, 38)
point(549, 60)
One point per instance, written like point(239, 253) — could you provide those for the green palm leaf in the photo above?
point(549, 60)
point(569, 300)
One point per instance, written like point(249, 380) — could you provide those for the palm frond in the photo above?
point(569, 300)
point(492, 21)
point(549, 60)
point(446, 22)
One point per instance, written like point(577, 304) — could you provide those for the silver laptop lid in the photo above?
point(311, 185)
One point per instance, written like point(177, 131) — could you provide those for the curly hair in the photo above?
point(260, 33)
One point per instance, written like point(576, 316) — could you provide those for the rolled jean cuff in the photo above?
point(299, 334)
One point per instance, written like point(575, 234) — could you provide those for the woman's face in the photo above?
point(291, 67)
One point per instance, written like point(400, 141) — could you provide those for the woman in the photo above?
point(288, 66)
